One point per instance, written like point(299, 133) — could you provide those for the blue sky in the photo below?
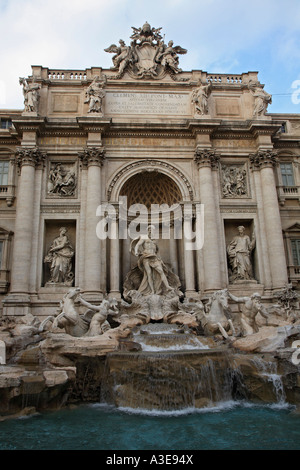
point(232, 36)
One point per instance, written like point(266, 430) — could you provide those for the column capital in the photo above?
point(29, 156)
point(263, 159)
point(206, 158)
point(92, 156)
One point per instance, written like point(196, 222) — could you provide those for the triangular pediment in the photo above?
point(293, 228)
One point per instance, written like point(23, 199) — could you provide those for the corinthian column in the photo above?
point(93, 158)
point(265, 161)
point(27, 159)
point(206, 160)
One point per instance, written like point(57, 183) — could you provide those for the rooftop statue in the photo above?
point(95, 95)
point(31, 94)
point(147, 55)
point(262, 98)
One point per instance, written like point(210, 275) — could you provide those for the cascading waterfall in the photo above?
point(268, 370)
point(167, 381)
point(177, 371)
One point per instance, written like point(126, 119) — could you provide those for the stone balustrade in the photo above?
point(67, 75)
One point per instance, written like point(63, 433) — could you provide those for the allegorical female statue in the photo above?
point(59, 258)
point(239, 251)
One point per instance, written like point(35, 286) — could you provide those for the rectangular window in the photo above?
point(4, 167)
point(5, 123)
point(296, 252)
point(287, 174)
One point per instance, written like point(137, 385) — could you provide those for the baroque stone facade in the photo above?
point(147, 130)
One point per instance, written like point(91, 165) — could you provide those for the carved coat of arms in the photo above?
point(147, 56)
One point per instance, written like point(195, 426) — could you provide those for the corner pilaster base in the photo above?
point(16, 305)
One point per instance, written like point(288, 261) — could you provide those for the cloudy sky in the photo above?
point(232, 36)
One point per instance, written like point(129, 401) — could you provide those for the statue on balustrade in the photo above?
point(239, 253)
point(59, 258)
point(200, 98)
point(262, 98)
point(31, 95)
point(95, 95)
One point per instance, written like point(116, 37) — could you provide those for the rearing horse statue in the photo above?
point(215, 317)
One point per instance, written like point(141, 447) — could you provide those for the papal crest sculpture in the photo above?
point(147, 56)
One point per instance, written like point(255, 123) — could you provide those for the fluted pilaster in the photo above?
point(265, 161)
point(206, 161)
point(93, 159)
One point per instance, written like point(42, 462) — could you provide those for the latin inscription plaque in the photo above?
point(177, 104)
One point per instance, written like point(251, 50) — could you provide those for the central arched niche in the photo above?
point(147, 188)
point(151, 187)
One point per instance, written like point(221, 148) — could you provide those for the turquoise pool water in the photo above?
point(228, 426)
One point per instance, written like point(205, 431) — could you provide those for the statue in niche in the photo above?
point(95, 95)
point(31, 95)
point(59, 258)
point(151, 276)
point(151, 265)
point(200, 98)
point(234, 181)
point(239, 252)
point(262, 98)
point(61, 181)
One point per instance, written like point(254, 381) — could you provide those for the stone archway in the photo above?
point(148, 166)
point(151, 188)
point(149, 182)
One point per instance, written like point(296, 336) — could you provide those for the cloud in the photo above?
point(220, 36)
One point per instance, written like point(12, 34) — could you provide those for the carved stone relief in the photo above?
point(62, 179)
point(147, 56)
point(234, 181)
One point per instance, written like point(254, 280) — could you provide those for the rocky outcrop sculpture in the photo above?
point(92, 323)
